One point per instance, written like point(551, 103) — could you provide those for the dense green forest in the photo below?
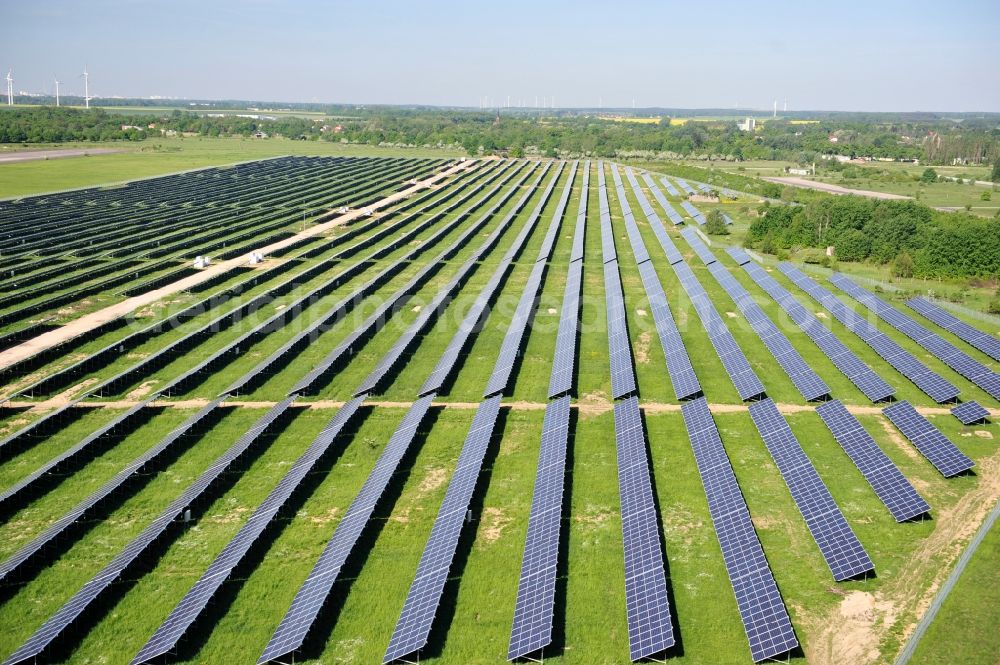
point(916, 240)
point(932, 140)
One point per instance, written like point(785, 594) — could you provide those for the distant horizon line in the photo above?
point(733, 110)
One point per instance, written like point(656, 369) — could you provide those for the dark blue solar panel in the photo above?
point(532, 628)
point(619, 347)
point(414, 625)
point(765, 619)
point(738, 255)
point(840, 547)
point(670, 187)
point(970, 412)
point(648, 611)
point(933, 385)
point(860, 374)
point(944, 350)
point(983, 341)
point(313, 594)
point(932, 444)
point(892, 488)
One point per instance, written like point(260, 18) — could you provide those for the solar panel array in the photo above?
point(765, 619)
point(648, 610)
point(860, 374)
point(977, 338)
point(970, 412)
point(441, 300)
point(35, 547)
point(662, 200)
point(619, 347)
point(414, 624)
point(903, 361)
point(837, 542)
point(564, 358)
point(684, 185)
point(533, 609)
point(807, 381)
point(743, 377)
point(682, 375)
point(64, 618)
point(670, 187)
point(673, 256)
point(694, 213)
point(892, 488)
point(698, 246)
point(194, 602)
point(932, 444)
point(300, 618)
point(513, 340)
point(941, 348)
point(459, 341)
point(738, 255)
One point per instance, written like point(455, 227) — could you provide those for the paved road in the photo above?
point(30, 155)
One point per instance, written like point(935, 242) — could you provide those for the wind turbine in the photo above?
point(57, 91)
point(86, 87)
point(10, 87)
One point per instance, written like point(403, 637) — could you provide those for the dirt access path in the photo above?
point(833, 189)
point(31, 155)
point(90, 321)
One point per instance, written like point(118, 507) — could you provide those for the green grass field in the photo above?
point(852, 622)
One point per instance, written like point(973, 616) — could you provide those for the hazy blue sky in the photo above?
point(847, 55)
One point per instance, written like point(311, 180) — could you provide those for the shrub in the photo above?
point(715, 225)
point(903, 265)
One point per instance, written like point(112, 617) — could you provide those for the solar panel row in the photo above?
point(64, 618)
point(706, 256)
point(933, 385)
point(977, 338)
point(301, 616)
point(564, 358)
point(693, 212)
point(194, 602)
point(684, 185)
point(932, 444)
point(808, 383)
point(670, 187)
point(533, 610)
point(944, 350)
point(892, 488)
point(682, 375)
point(747, 383)
point(662, 200)
point(765, 619)
point(414, 624)
point(837, 542)
point(860, 374)
point(970, 412)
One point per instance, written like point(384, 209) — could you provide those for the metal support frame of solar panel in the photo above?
point(564, 357)
point(349, 345)
point(29, 552)
point(513, 340)
point(837, 542)
point(474, 314)
point(903, 361)
point(194, 602)
point(63, 619)
point(416, 618)
point(941, 348)
point(860, 374)
point(765, 619)
point(970, 412)
point(531, 630)
point(967, 333)
point(932, 444)
point(443, 297)
point(892, 488)
point(682, 375)
point(808, 383)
